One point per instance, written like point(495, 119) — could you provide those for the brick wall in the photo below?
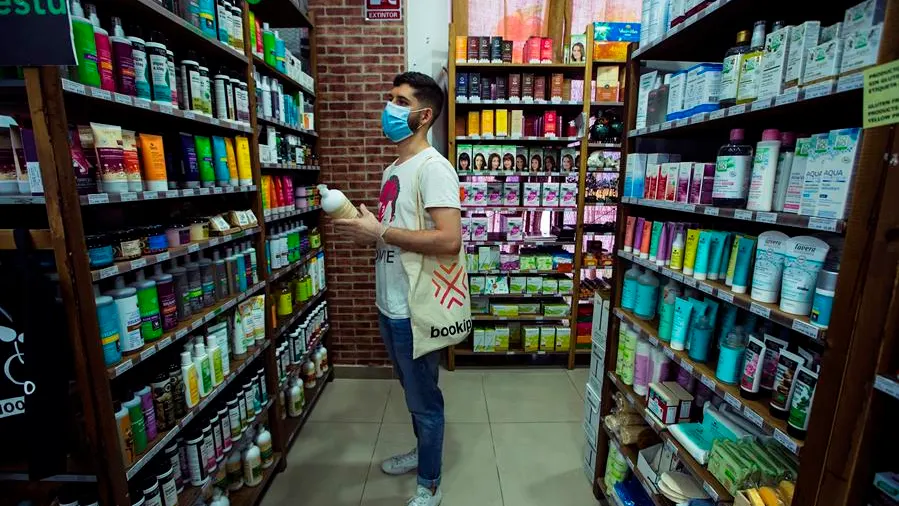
point(357, 61)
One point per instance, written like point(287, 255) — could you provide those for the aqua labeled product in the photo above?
point(629, 288)
point(803, 258)
point(732, 170)
point(108, 323)
point(764, 172)
point(784, 165)
point(647, 296)
point(745, 254)
point(654, 240)
point(666, 317)
point(822, 303)
point(753, 362)
point(681, 323)
point(700, 339)
point(769, 261)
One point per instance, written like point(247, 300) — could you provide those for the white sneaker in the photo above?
point(423, 497)
point(401, 464)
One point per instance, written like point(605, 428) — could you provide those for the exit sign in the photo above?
point(383, 10)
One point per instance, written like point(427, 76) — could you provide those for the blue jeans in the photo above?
point(423, 397)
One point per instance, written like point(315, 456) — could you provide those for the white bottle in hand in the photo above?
point(335, 203)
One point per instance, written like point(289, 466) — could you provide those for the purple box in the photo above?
point(702, 183)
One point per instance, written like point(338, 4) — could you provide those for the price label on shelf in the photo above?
point(818, 90)
point(123, 99)
point(766, 217)
point(193, 247)
point(655, 128)
point(667, 125)
point(164, 342)
point(670, 446)
point(189, 114)
point(699, 118)
point(137, 264)
point(653, 341)
point(736, 109)
point(187, 418)
point(689, 281)
point(677, 276)
point(166, 108)
point(733, 401)
point(687, 366)
point(73, 87)
point(142, 103)
point(850, 82)
point(171, 194)
point(786, 441)
point(741, 214)
point(151, 195)
point(510, 352)
point(711, 211)
point(217, 189)
point(181, 333)
point(710, 490)
point(669, 352)
point(109, 272)
point(162, 257)
point(726, 296)
point(753, 417)
point(758, 105)
point(709, 382)
point(707, 288)
point(128, 196)
point(681, 122)
point(805, 328)
point(189, 192)
point(788, 97)
point(205, 191)
point(124, 366)
point(717, 114)
point(101, 94)
point(824, 224)
point(98, 198)
point(760, 310)
point(149, 352)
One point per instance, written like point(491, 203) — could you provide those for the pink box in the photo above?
point(684, 174)
point(651, 180)
point(702, 182)
point(494, 194)
point(512, 194)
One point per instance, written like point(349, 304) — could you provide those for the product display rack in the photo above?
point(833, 468)
point(558, 215)
point(54, 102)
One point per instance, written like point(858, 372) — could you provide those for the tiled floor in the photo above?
point(513, 438)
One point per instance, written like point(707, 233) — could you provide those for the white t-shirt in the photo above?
point(439, 186)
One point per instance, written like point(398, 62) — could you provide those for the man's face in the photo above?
point(403, 95)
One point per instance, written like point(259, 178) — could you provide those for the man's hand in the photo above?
point(364, 230)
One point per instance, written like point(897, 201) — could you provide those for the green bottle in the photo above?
point(148, 305)
point(268, 44)
point(138, 429)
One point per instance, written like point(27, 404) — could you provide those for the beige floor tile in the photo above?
point(469, 467)
point(540, 463)
point(352, 400)
point(327, 465)
point(545, 396)
point(579, 379)
point(463, 398)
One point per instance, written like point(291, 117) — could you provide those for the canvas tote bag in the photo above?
point(439, 300)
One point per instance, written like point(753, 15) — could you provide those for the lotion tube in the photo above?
point(682, 310)
point(701, 263)
point(690, 251)
point(726, 247)
point(629, 234)
point(638, 236)
point(803, 258)
point(654, 240)
point(768, 270)
point(646, 239)
point(716, 245)
point(732, 261)
point(751, 377)
point(745, 252)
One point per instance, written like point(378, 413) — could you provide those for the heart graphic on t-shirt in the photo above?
point(389, 195)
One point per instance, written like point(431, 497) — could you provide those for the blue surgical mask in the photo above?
point(395, 122)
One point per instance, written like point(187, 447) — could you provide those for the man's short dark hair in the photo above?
point(426, 90)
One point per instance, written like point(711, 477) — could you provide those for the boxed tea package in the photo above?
point(547, 338)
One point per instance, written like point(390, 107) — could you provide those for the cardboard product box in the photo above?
point(496, 49)
point(521, 160)
point(663, 403)
point(568, 195)
point(501, 339)
point(484, 50)
point(596, 374)
point(555, 88)
point(684, 398)
point(577, 90)
point(860, 49)
point(508, 163)
point(556, 310)
point(568, 160)
point(545, 262)
point(517, 284)
point(479, 228)
point(473, 43)
point(616, 32)
point(471, 262)
point(477, 344)
point(530, 338)
point(803, 37)
point(508, 262)
point(511, 194)
point(514, 88)
point(529, 308)
point(532, 194)
point(653, 461)
point(474, 87)
point(864, 15)
point(528, 263)
point(549, 194)
point(535, 160)
point(540, 88)
point(462, 87)
point(684, 176)
point(823, 62)
point(487, 123)
point(646, 84)
point(478, 193)
point(474, 123)
point(494, 194)
point(550, 286)
point(551, 159)
point(563, 338)
point(494, 158)
point(464, 190)
point(507, 51)
point(651, 181)
point(489, 340)
point(546, 50)
point(774, 63)
point(480, 305)
point(466, 228)
point(672, 171)
point(516, 123)
point(508, 310)
point(835, 196)
point(566, 286)
point(547, 338)
point(534, 285)
point(514, 228)
point(607, 84)
point(463, 157)
point(527, 87)
point(502, 122)
point(497, 285)
point(566, 89)
point(549, 126)
point(488, 258)
point(477, 284)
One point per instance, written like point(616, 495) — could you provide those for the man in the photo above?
point(413, 105)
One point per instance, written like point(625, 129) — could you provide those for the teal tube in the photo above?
point(742, 267)
point(654, 240)
point(727, 321)
point(701, 264)
point(698, 310)
point(725, 256)
point(220, 162)
point(716, 246)
point(682, 310)
point(711, 310)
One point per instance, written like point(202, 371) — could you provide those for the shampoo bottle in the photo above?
point(191, 380)
point(204, 371)
point(677, 251)
point(666, 316)
point(629, 288)
point(215, 360)
point(730, 72)
point(732, 169)
point(138, 429)
point(335, 203)
point(123, 428)
point(647, 296)
point(264, 442)
point(252, 466)
point(764, 172)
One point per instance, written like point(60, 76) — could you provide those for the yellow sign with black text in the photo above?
point(881, 95)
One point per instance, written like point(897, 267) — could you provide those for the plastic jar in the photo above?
point(153, 239)
point(99, 251)
point(126, 245)
point(199, 230)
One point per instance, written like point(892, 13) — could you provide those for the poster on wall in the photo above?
point(383, 10)
point(21, 21)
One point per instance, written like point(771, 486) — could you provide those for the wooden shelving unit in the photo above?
point(857, 374)
point(580, 142)
point(55, 102)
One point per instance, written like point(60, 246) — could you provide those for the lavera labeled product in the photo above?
point(701, 263)
point(803, 258)
point(769, 261)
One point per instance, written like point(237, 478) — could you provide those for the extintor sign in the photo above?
point(36, 32)
point(383, 10)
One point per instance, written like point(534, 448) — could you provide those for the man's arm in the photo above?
point(445, 239)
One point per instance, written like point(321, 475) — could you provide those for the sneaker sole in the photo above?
point(397, 472)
